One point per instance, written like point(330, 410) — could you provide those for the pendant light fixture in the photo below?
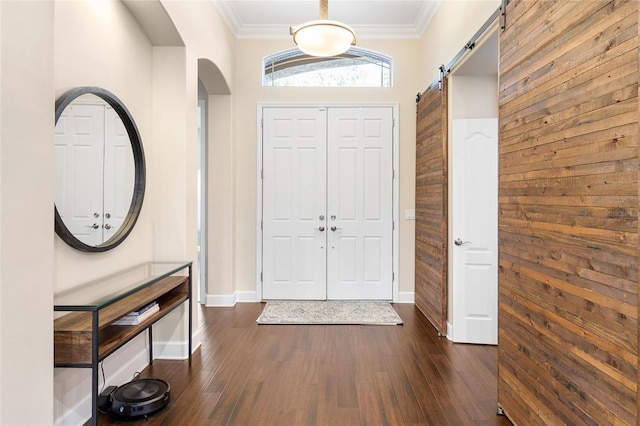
point(323, 37)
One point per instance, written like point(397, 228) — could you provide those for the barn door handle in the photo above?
point(459, 242)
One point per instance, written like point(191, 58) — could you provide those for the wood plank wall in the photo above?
point(568, 204)
point(431, 206)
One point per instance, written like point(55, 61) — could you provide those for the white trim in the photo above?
point(406, 297)
point(247, 297)
point(395, 106)
point(449, 330)
point(204, 204)
point(396, 201)
point(176, 350)
point(363, 32)
point(259, 176)
point(229, 300)
point(220, 300)
point(242, 30)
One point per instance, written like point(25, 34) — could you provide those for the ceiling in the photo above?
point(381, 19)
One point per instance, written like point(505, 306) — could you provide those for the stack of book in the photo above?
point(139, 315)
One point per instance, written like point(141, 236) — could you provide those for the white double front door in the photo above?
point(327, 218)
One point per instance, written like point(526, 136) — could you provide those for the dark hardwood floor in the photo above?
point(250, 374)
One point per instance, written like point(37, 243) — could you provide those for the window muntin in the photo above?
point(354, 68)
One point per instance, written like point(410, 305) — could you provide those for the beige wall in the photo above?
point(249, 92)
point(46, 48)
point(451, 28)
point(92, 41)
point(208, 39)
point(205, 34)
point(26, 217)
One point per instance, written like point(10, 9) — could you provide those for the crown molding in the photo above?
point(267, 31)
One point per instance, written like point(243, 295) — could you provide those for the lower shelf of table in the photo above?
point(73, 344)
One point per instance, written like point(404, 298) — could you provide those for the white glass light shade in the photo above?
point(323, 37)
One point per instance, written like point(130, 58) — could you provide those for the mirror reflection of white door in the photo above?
point(79, 138)
point(294, 203)
point(327, 203)
point(474, 238)
point(118, 173)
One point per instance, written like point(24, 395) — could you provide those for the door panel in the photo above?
point(119, 172)
point(568, 351)
point(294, 198)
point(431, 205)
point(360, 201)
point(79, 135)
point(475, 227)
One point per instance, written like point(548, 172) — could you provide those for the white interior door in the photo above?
point(294, 203)
point(475, 230)
point(360, 203)
point(79, 136)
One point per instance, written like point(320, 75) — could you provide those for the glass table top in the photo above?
point(106, 290)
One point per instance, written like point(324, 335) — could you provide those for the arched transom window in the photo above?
point(355, 68)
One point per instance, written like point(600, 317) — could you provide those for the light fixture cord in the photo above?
point(324, 9)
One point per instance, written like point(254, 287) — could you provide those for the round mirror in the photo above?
point(99, 170)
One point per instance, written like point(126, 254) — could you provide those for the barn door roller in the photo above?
point(501, 12)
point(503, 15)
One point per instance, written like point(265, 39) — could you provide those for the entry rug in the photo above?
point(329, 312)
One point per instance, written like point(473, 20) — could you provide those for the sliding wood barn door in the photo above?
point(431, 206)
point(568, 205)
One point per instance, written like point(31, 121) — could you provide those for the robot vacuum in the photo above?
point(137, 398)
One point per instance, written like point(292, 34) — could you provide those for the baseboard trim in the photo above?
point(176, 350)
point(247, 296)
point(406, 297)
point(449, 331)
point(229, 300)
point(220, 300)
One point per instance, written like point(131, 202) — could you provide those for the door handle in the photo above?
point(107, 226)
point(334, 228)
point(459, 242)
point(321, 229)
point(94, 226)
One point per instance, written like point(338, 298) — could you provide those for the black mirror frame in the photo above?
point(140, 171)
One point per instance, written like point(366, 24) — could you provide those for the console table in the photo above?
point(86, 334)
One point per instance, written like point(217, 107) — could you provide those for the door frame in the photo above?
point(491, 30)
point(203, 264)
point(396, 181)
